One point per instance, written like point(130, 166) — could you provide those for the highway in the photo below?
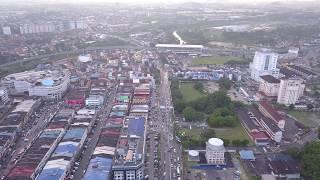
point(170, 156)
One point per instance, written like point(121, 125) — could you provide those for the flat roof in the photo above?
point(270, 79)
point(179, 46)
point(98, 169)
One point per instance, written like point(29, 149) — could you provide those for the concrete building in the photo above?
point(290, 90)
point(37, 28)
point(215, 151)
point(4, 97)
point(50, 84)
point(129, 158)
point(264, 63)
point(269, 85)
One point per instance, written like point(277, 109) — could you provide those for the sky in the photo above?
point(156, 1)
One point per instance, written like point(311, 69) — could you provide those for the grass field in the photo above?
point(214, 60)
point(236, 132)
point(310, 119)
point(189, 93)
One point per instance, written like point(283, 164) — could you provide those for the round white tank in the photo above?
point(215, 144)
point(193, 155)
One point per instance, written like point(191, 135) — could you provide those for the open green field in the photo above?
point(214, 60)
point(234, 133)
point(189, 93)
point(310, 119)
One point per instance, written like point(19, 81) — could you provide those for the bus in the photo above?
point(178, 171)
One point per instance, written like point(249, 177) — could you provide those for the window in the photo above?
point(266, 63)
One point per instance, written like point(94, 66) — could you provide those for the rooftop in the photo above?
point(270, 79)
point(275, 115)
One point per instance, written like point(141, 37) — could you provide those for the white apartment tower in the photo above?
point(215, 151)
point(290, 90)
point(264, 63)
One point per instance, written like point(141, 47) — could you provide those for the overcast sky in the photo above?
point(153, 1)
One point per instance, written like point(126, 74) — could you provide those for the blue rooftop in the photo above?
point(50, 134)
point(98, 169)
point(247, 155)
point(51, 174)
point(67, 149)
point(47, 82)
point(75, 133)
point(136, 126)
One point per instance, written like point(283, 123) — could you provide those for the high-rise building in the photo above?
point(290, 90)
point(215, 151)
point(264, 63)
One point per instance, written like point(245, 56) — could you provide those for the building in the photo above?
point(180, 48)
point(268, 111)
point(269, 85)
point(6, 30)
point(51, 83)
point(94, 101)
point(4, 98)
point(129, 158)
point(37, 28)
point(290, 90)
point(215, 151)
point(270, 127)
point(264, 63)
point(302, 71)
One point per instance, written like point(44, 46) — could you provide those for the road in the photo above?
point(94, 137)
point(163, 123)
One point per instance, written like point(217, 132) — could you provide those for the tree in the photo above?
point(310, 160)
point(207, 134)
point(198, 86)
point(179, 105)
point(291, 107)
point(192, 115)
point(224, 83)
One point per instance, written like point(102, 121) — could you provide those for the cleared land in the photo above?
point(233, 133)
point(310, 119)
point(189, 93)
point(214, 60)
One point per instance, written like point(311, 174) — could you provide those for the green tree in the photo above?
point(310, 160)
point(208, 133)
point(192, 115)
point(198, 86)
point(291, 107)
point(224, 83)
point(179, 105)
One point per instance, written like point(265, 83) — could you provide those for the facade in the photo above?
point(4, 98)
point(264, 63)
point(37, 28)
point(50, 84)
point(215, 151)
point(290, 90)
point(269, 85)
